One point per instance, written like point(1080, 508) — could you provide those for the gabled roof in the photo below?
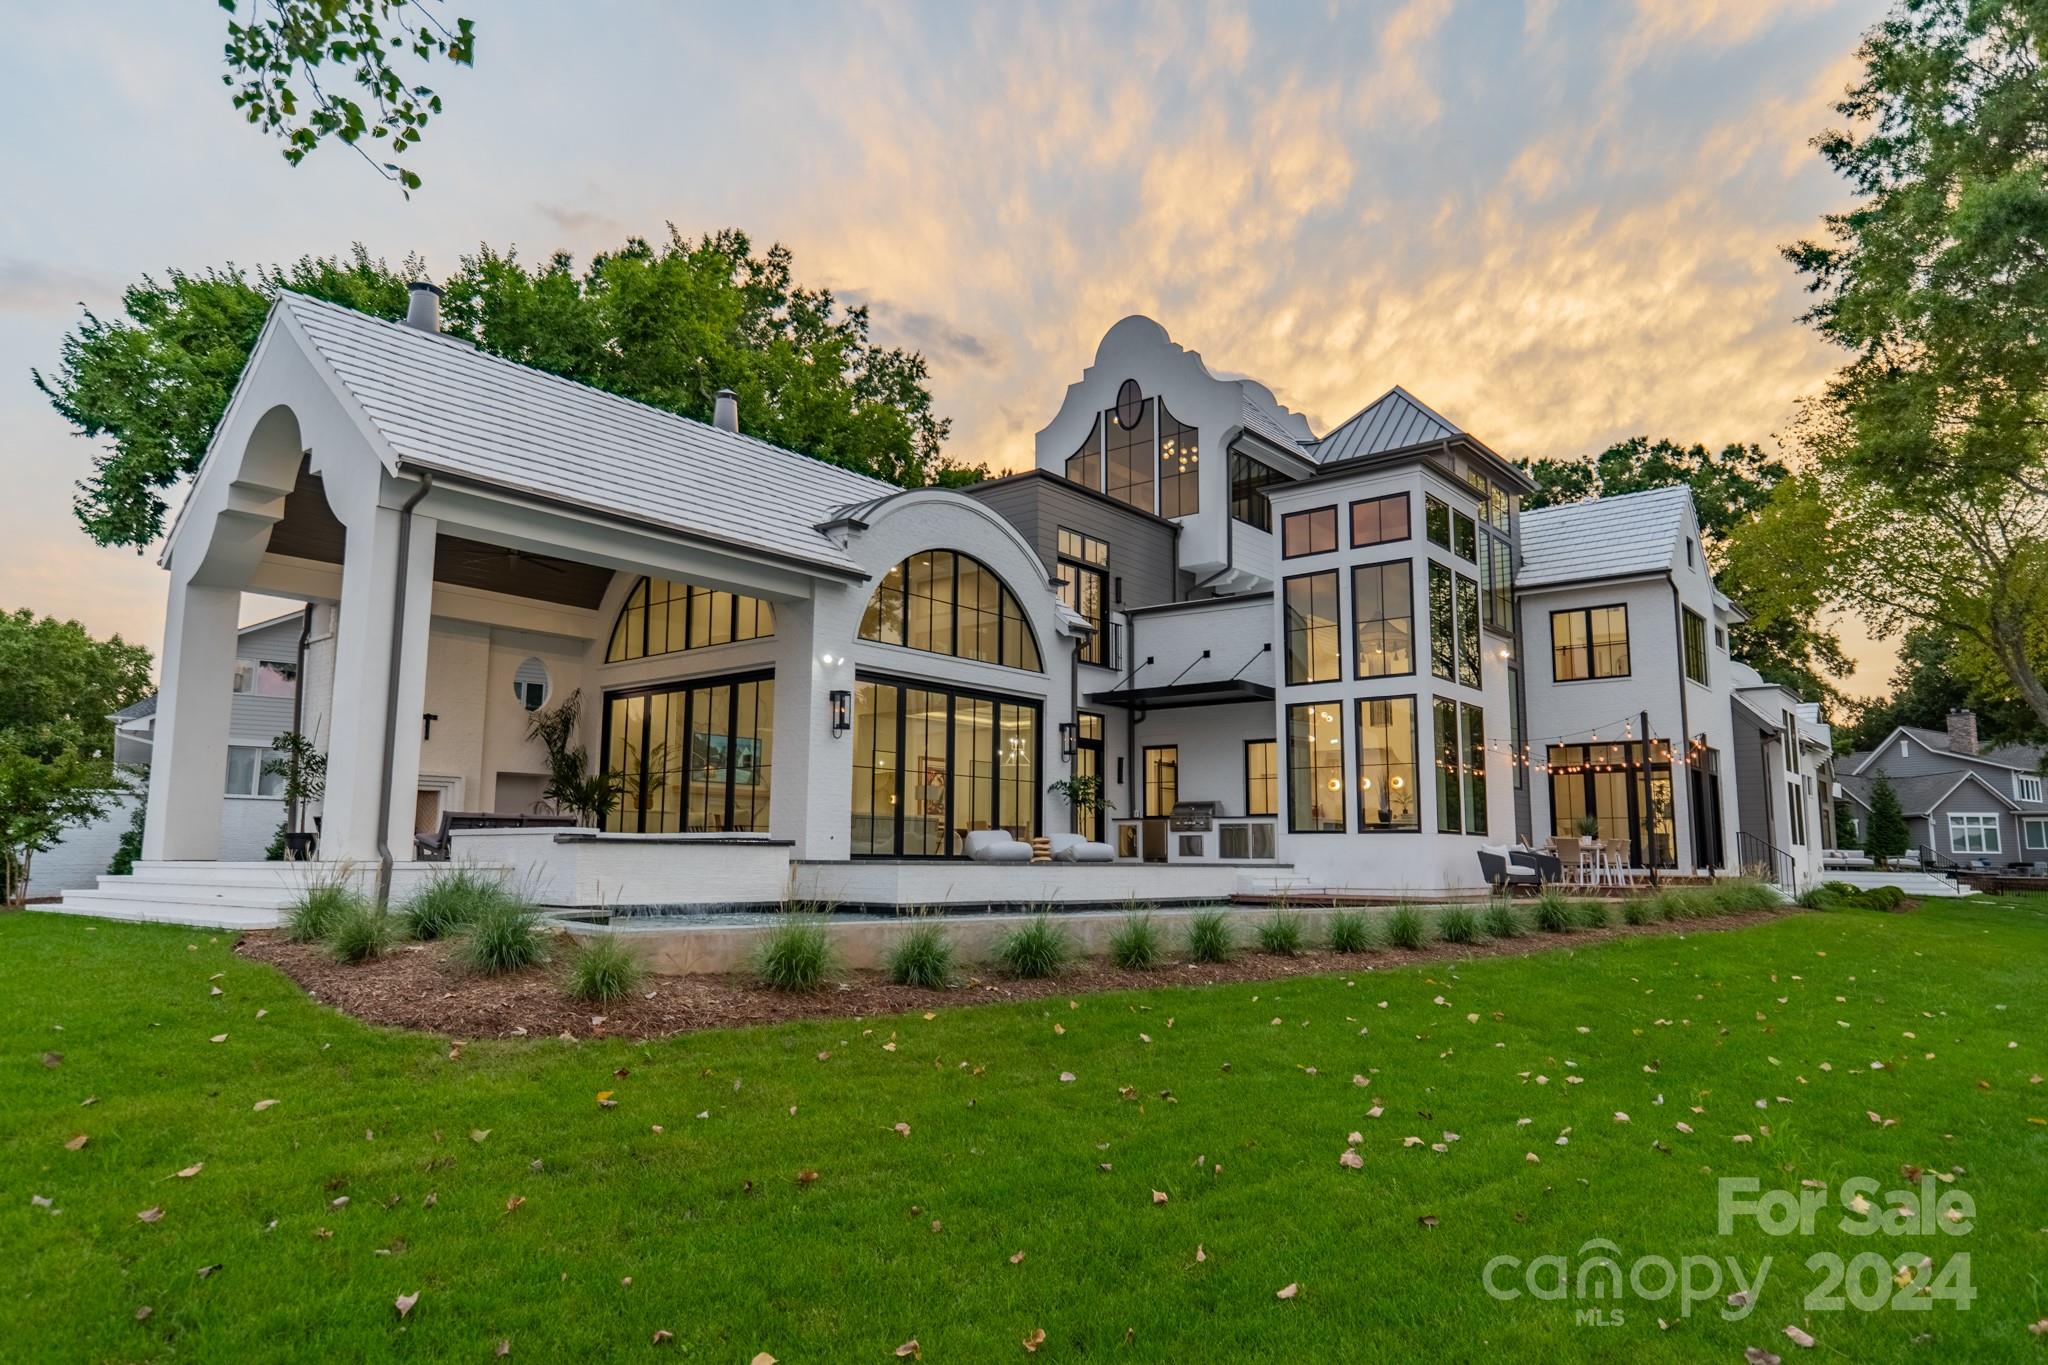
point(1263, 416)
point(1923, 795)
point(136, 710)
point(1393, 421)
point(2023, 758)
point(440, 405)
point(1632, 533)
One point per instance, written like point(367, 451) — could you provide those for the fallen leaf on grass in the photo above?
point(1756, 1356)
point(503, 1348)
point(479, 1134)
point(1201, 1254)
point(1066, 1077)
point(1035, 1340)
point(151, 1214)
point(1799, 1338)
point(1351, 1160)
point(194, 1169)
point(903, 1130)
point(605, 1100)
point(1428, 1220)
point(142, 1313)
point(262, 1105)
point(910, 1349)
point(206, 1272)
point(75, 1141)
point(762, 1359)
point(662, 1336)
point(1159, 1196)
point(53, 1059)
point(1017, 1259)
point(1287, 1292)
point(404, 1302)
point(218, 1038)
point(512, 1204)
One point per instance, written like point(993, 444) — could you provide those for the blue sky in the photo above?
point(1557, 221)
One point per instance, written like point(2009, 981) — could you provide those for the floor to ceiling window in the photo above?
point(1315, 768)
point(693, 757)
point(931, 764)
point(1623, 790)
point(1180, 458)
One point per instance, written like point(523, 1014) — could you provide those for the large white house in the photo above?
point(1343, 662)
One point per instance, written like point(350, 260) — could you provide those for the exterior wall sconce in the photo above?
point(842, 711)
point(1070, 740)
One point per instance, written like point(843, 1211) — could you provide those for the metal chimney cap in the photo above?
point(423, 307)
point(725, 411)
point(418, 285)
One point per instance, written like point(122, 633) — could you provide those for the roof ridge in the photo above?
point(1662, 488)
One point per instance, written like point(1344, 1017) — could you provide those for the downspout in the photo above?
point(299, 701)
point(1684, 716)
point(391, 687)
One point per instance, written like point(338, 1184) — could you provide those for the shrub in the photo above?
point(1458, 925)
point(603, 969)
point(922, 957)
point(1502, 921)
point(1746, 895)
point(1038, 948)
point(796, 956)
point(1281, 933)
point(1209, 936)
point(450, 899)
point(503, 937)
point(1350, 932)
point(1406, 929)
point(313, 915)
point(360, 932)
point(1553, 913)
point(1883, 897)
point(1593, 914)
point(1639, 909)
point(1135, 945)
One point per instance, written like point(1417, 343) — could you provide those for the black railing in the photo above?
point(1765, 859)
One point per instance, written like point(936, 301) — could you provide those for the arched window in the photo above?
point(947, 603)
point(661, 617)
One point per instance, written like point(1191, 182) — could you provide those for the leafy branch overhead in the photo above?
point(275, 61)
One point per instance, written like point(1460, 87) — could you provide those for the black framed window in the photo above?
point(1180, 458)
point(1084, 586)
point(1378, 521)
point(944, 602)
point(1310, 532)
point(1162, 778)
point(1464, 537)
point(1261, 777)
point(1084, 466)
point(1127, 452)
point(1589, 642)
point(1468, 632)
point(1695, 646)
point(1315, 768)
point(1310, 601)
point(1446, 752)
point(1443, 638)
point(1436, 520)
point(1088, 763)
point(1498, 573)
point(1624, 790)
point(1383, 619)
point(663, 617)
point(1474, 720)
point(696, 756)
point(1249, 479)
point(933, 764)
point(1386, 764)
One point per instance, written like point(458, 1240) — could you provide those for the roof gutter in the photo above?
point(391, 686)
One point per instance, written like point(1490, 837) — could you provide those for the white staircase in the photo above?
point(222, 895)
point(1913, 882)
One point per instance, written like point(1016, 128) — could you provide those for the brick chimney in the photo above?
point(1962, 732)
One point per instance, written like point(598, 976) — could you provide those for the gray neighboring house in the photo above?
point(1966, 805)
point(265, 685)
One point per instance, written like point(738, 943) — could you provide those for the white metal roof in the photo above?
point(1633, 533)
point(440, 405)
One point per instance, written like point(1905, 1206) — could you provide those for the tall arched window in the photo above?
point(661, 617)
point(947, 603)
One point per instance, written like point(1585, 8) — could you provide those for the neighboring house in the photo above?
point(262, 687)
point(1784, 763)
point(1964, 805)
point(1292, 659)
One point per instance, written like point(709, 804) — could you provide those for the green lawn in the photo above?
point(902, 1237)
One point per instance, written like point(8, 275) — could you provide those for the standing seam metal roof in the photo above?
point(1394, 420)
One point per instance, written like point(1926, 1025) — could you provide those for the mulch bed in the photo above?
point(416, 986)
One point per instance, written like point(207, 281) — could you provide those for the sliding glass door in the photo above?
point(1624, 792)
point(694, 757)
point(930, 764)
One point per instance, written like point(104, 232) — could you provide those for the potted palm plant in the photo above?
point(304, 770)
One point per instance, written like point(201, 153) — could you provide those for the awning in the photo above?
point(1222, 692)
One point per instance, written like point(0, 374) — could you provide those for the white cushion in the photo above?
point(996, 846)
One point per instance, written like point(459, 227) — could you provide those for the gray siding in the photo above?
point(1754, 768)
point(1141, 546)
point(1973, 799)
point(276, 643)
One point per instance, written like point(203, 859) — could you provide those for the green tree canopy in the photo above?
point(1932, 678)
point(58, 688)
point(1731, 491)
point(668, 325)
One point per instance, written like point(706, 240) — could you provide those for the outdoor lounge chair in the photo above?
point(1548, 866)
point(996, 846)
point(1503, 874)
point(1075, 848)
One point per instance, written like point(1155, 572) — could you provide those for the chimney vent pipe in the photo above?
point(423, 307)
point(725, 411)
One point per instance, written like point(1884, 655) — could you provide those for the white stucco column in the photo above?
point(188, 762)
point(813, 767)
point(357, 732)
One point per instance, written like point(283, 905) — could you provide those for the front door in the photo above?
point(1088, 763)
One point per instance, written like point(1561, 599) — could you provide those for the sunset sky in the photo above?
point(1557, 221)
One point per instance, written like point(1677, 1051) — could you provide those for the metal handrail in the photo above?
point(1774, 862)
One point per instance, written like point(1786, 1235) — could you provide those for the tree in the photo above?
point(274, 63)
point(668, 327)
point(1931, 679)
point(1931, 443)
point(1888, 836)
point(59, 688)
point(1731, 492)
point(1845, 826)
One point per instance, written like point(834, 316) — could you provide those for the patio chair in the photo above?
point(1503, 874)
point(1548, 866)
point(996, 846)
point(1076, 848)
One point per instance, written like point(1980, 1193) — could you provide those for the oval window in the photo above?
point(1130, 404)
point(530, 684)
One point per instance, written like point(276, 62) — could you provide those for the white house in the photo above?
point(1293, 660)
